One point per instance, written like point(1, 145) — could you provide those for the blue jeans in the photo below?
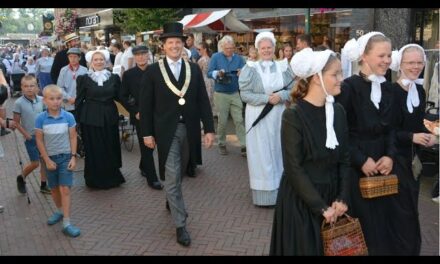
point(61, 175)
point(32, 150)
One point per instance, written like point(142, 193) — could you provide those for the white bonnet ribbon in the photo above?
point(331, 140)
point(412, 98)
point(376, 92)
point(267, 65)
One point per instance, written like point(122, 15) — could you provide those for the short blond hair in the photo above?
point(52, 88)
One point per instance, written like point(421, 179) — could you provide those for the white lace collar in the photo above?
point(99, 76)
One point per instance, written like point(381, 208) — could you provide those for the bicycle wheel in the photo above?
point(129, 141)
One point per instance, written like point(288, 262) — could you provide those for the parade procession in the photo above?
point(219, 132)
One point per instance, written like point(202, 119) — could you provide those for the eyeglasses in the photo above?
point(414, 63)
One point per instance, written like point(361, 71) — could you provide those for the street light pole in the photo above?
point(307, 21)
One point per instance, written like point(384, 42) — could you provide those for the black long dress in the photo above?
point(371, 134)
point(407, 229)
point(98, 117)
point(314, 177)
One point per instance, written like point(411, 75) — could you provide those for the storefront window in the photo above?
point(427, 27)
point(334, 26)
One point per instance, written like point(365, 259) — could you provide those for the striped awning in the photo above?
point(213, 22)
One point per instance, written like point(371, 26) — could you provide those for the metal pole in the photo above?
point(307, 21)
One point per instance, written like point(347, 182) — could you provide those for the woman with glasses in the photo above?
point(411, 134)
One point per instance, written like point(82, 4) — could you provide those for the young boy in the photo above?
point(56, 140)
point(26, 109)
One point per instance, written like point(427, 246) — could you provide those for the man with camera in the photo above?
point(224, 68)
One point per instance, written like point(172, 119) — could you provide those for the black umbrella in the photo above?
point(267, 108)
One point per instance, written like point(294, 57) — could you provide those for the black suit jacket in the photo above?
point(62, 60)
point(159, 111)
point(131, 86)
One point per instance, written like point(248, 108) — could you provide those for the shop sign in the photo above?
point(89, 21)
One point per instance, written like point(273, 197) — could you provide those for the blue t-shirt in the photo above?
point(56, 131)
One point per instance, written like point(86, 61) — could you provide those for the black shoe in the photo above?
point(191, 171)
point(156, 185)
point(143, 173)
point(183, 237)
point(167, 206)
point(21, 184)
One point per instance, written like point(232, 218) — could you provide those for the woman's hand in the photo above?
point(369, 167)
point(330, 215)
point(340, 208)
point(384, 165)
point(274, 99)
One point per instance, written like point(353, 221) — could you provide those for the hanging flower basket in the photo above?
point(66, 22)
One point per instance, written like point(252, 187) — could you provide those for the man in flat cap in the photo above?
point(67, 78)
point(131, 86)
point(173, 101)
point(61, 60)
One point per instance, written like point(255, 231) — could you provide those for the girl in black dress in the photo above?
point(369, 101)
point(411, 133)
point(315, 157)
point(98, 116)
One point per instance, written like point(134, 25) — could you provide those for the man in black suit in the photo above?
point(61, 59)
point(131, 86)
point(173, 101)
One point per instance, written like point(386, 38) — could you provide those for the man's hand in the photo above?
point(209, 139)
point(149, 142)
point(50, 165)
point(71, 101)
point(138, 116)
point(72, 163)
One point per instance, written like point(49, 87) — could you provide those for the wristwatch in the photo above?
point(73, 155)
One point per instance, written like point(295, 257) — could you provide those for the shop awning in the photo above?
point(213, 22)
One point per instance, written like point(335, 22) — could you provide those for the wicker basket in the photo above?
point(377, 186)
point(344, 238)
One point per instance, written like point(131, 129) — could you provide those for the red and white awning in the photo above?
point(213, 22)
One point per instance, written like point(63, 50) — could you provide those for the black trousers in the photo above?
point(146, 164)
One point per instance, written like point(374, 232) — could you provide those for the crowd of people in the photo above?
point(308, 134)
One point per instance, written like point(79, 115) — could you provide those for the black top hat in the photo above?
point(172, 30)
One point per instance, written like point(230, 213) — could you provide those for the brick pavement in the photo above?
point(132, 219)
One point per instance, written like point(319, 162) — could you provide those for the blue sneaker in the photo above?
point(71, 231)
point(55, 218)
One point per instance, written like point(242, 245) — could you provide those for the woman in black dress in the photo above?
point(98, 116)
point(316, 160)
point(368, 101)
point(411, 133)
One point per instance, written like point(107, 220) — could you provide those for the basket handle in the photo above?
point(331, 225)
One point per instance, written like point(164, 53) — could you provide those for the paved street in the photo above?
point(132, 219)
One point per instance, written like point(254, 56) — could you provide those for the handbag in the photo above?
point(343, 238)
point(377, 186)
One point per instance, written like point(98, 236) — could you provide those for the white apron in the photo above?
point(263, 142)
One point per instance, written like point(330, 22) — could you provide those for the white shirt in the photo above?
point(171, 63)
point(125, 56)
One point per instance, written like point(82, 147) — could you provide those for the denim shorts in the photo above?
point(32, 150)
point(61, 175)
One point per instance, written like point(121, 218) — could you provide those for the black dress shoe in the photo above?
point(183, 237)
point(191, 171)
point(167, 206)
point(156, 185)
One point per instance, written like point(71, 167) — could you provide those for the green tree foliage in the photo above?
point(26, 16)
point(132, 20)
